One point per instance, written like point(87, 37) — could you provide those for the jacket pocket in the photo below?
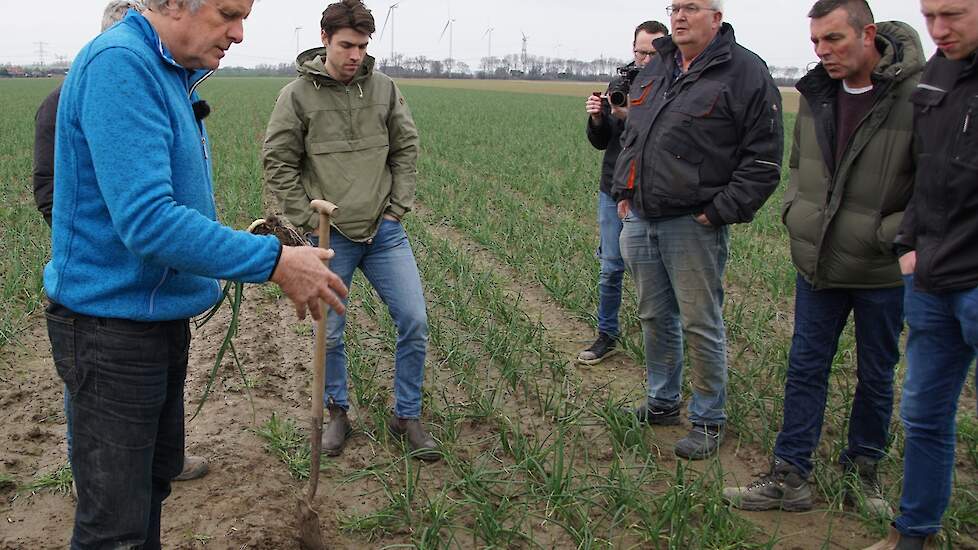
point(966, 145)
point(677, 173)
point(348, 145)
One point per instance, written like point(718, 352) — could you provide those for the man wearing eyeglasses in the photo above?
point(604, 127)
point(702, 149)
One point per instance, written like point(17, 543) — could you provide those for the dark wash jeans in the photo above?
point(126, 384)
point(820, 317)
point(941, 348)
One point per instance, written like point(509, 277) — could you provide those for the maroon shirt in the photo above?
point(850, 111)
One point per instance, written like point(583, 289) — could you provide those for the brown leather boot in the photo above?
point(421, 444)
point(896, 541)
point(336, 432)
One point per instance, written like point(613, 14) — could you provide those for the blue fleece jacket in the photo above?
point(134, 234)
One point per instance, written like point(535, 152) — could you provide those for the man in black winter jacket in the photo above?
point(938, 247)
point(604, 129)
point(702, 149)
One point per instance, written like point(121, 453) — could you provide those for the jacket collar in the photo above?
point(147, 32)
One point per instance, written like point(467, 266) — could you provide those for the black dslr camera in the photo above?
point(618, 90)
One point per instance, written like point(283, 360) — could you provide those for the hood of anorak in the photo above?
point(902, 52)
point(311, 64)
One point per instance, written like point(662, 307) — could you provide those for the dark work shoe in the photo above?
point(782, 488)
point(702, 442)
point(863, 487)
point(336, 432)
point(601, 349)
point(897, 541)
point(655, 416)
point(422, 445)
point(194, 467)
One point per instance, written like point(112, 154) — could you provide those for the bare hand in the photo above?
point(620, 113)
point(908, 263)
point(304, 278)
point(593, 107)
point(703, 220)
point(624, 207)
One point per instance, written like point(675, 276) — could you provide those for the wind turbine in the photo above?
point(524, 56)
point(450, 27)
point(297, 50)
point(390, 13)
point(489, 63)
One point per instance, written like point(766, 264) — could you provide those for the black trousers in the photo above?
point(126, 384)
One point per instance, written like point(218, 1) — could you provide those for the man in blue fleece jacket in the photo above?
point(136, 252)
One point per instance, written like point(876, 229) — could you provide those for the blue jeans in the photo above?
point(388, 263)
point(820, 317)
point(126, 384)
point(677, 265)
point(612, 266)
point(941, 348)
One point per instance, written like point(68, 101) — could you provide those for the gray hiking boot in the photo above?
point(650, 414)
point(863, 487)
point(421, 445)
point(336, 432)
point(194, 467)
point(601, 349)
point(781, 488)
point(702, 442)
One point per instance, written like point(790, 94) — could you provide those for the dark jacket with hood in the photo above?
point(941, 222)
point(606, 136)
point(843, 214)
point(709, 140)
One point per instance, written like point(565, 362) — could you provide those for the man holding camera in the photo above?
point(701, 150)
point(604, 126)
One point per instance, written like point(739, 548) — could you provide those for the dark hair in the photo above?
point(347, 14)
point(859, 12)
point(651, 27)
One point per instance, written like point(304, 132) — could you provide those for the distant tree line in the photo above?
point(510, 66)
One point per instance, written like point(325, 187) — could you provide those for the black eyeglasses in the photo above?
point(643, 53)
point(689, 9)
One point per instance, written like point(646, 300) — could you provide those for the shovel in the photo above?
point(310, 535)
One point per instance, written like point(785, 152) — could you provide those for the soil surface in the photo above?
point(248, 498)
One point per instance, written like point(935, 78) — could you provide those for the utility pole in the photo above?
point(40, 52)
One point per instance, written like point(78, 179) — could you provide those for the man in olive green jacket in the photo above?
point(343, 133)
point(851, 179)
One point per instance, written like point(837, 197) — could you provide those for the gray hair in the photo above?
point(161, 5)
point(717, 5)
point(116, 10)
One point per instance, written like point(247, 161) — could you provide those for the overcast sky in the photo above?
point(584, 29)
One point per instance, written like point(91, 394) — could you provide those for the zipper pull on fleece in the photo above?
point(203, 146)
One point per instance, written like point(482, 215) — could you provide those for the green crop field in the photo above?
point(536, 452)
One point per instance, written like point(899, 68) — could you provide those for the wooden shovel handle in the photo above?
point(326, 210)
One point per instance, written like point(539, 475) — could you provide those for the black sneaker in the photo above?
point(702, 442)
point(656, 416)
point(782, 488)
point(601, 349)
